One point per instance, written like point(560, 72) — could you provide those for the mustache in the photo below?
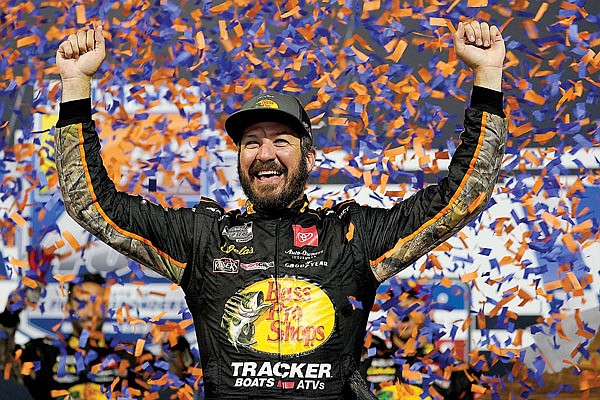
point(258, 166)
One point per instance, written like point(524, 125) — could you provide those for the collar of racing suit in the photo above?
point(298, 207)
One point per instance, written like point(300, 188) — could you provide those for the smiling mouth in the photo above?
point(268, 176)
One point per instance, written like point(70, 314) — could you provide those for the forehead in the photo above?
point(268, 128)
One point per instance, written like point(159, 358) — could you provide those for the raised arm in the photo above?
point(425, 220)
point(157, 237)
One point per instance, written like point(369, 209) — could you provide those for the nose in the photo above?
point(266, 151)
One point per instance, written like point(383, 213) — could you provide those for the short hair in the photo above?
point(306, 144)
point(87, 277)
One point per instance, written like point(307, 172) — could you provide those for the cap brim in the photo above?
point(237, 123)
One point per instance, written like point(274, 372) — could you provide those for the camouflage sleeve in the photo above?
point(157, 237)
point(420, 223)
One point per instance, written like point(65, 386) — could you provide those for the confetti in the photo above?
point(373, 75)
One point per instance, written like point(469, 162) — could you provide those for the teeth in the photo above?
point(265, 173)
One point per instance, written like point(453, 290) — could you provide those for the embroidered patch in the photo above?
point(305, 236)
point(226, 265)
point(240, 234)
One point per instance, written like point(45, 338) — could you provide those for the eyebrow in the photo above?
point(250, 135)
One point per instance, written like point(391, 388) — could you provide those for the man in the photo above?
point(23, 296)
point(406, 347)
point(180, 358)
point(80, 364)
point(274, 289)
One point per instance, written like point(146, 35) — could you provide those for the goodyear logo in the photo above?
point(285, 316)
point(266, 103)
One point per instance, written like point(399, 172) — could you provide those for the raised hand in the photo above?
point(481, 47)
point(77, 59)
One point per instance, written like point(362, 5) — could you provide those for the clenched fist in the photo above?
point(77, 59)
point(481, 47)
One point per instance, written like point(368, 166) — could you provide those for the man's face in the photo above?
point(88, 307)
point(271, 167)
point(408, 324)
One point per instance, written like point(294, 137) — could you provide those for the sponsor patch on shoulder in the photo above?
point(226, 265)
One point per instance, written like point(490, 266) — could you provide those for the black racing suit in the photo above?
point(280, 300)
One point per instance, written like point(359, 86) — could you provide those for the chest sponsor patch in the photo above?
point(281, 374)
point(306, 264)
point(226, 265)
point(305, 236)
point(259, 265)
point(240, 234)
point(303, 254)
point(284, 316)
point(243, 251)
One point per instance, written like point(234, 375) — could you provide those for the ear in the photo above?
point(311, 158)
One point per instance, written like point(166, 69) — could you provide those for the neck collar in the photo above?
point(298, 207)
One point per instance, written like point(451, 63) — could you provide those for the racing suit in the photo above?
point(280, 299)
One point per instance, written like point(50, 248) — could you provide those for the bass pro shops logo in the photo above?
point(284, 316)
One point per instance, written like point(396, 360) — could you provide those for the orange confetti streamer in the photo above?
point(158, 317)
point(535, 98)
point(569, 241)
point(337, 121)
point(383, 183)
point(371, 5)
point(26, 41)
point(139, 347)
point(223, 35)
point(80, 11)
point(477, 3)
point(468, 277)
point(17, 218)
point(221, 7)
point(541, 11)
point(355, 172)
point(200, 42)
point(27, 281)
point(398, 51)
point(71, 240)
point(478, 388)
point(290, 13)
point(18, 263)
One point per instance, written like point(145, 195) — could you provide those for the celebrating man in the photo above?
point(273, 290)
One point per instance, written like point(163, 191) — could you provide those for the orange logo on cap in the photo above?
point(266, 103)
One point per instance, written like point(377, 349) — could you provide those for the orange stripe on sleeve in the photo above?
point(107, 218)
point(461, 187)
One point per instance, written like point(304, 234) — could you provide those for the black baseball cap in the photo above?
point(269, 107)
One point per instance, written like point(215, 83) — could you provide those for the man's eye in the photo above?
point(281, 142)
point(251, 145)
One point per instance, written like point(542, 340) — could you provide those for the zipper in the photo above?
point(277, 291)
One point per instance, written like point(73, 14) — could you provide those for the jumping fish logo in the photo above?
point(286, 316)
point(241, 311)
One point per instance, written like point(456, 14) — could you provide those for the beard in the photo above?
point(268, 197)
